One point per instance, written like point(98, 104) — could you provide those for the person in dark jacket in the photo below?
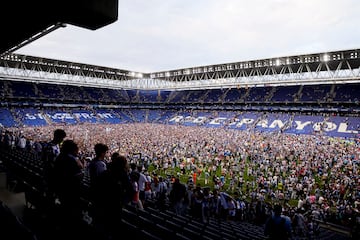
point(68, 175)
point(177, 196)
point(278, 226)
point(113, 190)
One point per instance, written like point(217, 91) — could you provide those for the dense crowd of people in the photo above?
point(312, 176)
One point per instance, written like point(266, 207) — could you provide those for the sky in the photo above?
point(161, 35)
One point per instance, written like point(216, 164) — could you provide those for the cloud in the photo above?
point(154, 35)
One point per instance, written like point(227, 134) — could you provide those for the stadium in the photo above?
point(275, 130)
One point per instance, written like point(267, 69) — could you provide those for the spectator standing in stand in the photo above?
point(50, 152)
point(68, 175)
point(97, 165)
point(278, 226)
point(113, 190)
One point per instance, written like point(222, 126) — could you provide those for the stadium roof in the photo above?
point(26, 21)
point(316, 68)
point(313, 62)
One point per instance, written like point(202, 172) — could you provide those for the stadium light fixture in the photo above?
point(277, 62)
point(326, 58)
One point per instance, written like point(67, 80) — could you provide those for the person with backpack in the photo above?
point(277, 225)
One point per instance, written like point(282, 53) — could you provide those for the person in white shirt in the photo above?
point(161, 193)
point(143, 180)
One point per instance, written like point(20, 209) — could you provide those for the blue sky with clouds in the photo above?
point(157, 35)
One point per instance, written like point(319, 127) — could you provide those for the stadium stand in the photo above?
point(323, 114)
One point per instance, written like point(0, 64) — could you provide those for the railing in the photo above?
point(335, 227)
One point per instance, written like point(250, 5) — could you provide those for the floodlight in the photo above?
point(277, 62)
point(326, 58)
point(187, 71)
